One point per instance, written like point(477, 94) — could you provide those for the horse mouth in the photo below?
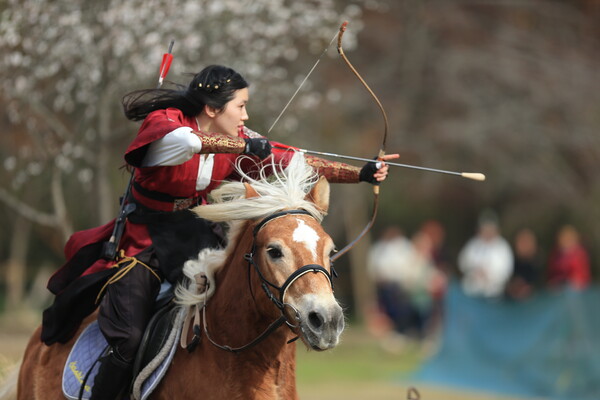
point(319, 342)
point(322, 332)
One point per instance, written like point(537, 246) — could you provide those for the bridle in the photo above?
point(278, 301)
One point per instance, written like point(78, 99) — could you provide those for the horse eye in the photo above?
point(274, 252)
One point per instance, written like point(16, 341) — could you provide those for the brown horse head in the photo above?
point(293, 252)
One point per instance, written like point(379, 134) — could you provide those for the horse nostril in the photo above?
point(315, 320)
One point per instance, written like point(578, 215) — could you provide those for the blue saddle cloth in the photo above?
point(82, 365)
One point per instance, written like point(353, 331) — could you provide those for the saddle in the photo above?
point(154, 356)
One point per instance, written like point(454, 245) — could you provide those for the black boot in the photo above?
point(114, 376)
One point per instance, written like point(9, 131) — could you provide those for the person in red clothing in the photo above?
point(189, 142)
point(569, 262)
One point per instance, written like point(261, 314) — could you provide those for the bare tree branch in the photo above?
point(60, 207)
point(36, 216)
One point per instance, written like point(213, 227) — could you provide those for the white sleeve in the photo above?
point(501, 265)
point(174, 148)
point(465, 257)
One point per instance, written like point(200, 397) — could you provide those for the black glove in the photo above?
point(367, 172)
point(259, 147)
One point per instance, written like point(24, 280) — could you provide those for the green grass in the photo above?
point(358, 357)
point(358, 368)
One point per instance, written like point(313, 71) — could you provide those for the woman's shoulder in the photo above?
point(170, 114)
point(156, 125)
point(167, 119)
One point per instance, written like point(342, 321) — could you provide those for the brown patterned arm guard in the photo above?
point(214, 143)
point(334, 171)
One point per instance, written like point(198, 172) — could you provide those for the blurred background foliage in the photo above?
point(508, 88)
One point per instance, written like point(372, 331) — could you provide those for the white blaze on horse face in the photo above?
point(306, 235)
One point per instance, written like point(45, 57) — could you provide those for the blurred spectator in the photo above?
point(569, 262)
point(387, 264)
point(486, 261)
point(422, 282)
point(436, 233)
point(438, 256)
point(527, 273)
point(405, 277)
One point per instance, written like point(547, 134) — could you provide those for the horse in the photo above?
point(270, 285)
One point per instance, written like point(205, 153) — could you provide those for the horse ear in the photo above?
point(319, 194)
point(250, 191)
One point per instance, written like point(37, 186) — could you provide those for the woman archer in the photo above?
point(189, 142)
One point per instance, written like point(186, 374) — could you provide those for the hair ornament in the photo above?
point(208, 87)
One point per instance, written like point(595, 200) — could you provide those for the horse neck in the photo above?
point(233, 317)
point(235, 313)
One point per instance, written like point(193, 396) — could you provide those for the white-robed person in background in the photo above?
point(486, 260)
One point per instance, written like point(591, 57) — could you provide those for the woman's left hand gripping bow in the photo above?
point(376, 172)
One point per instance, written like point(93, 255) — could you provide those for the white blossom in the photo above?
point(34, 168)
point(85, 175)
point(10, 163)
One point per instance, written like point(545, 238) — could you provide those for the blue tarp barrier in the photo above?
point(547, 346)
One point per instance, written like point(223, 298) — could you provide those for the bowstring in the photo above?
point(302, 83)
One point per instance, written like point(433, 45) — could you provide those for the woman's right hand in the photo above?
point(259, 147)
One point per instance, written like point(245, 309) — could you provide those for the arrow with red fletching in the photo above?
point(166, 64)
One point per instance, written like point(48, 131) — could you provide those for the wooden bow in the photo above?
point(369, 225)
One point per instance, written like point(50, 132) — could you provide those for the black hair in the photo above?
point(214, 86)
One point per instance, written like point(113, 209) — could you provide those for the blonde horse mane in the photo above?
point(278, 188)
